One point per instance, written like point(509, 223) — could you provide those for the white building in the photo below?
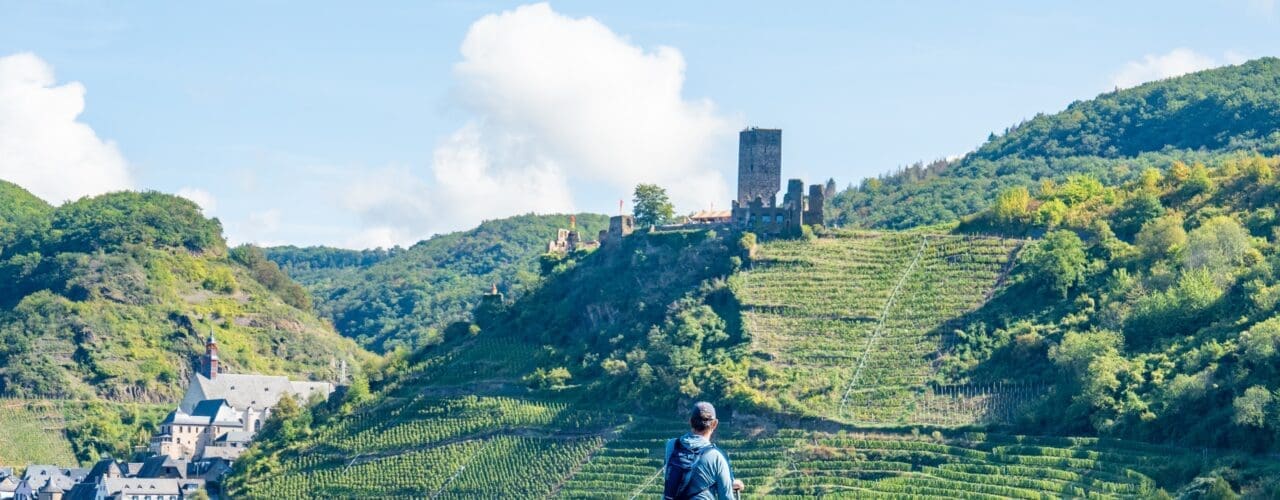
point(224, 410)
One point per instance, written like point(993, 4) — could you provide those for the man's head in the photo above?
point(703, 418)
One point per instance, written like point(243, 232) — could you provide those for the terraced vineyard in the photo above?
point(972, 466)
point(792, 463)
point(852, 322)
point(491, 447)
point(446, 447)
point(631, 465)
point(33, 432)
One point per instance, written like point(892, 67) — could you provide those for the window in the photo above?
point(778, 219)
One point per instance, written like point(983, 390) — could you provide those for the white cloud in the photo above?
point(267, 221)
point(201, 197)
point(260, 228)
point(1175, 63)
point(42, 146)
point(555, 101)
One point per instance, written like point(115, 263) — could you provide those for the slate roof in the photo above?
point(77, 474)
point(235, 437)
point(8, 484)
point(228, 453)
point(82, 491)
point(38, 475)
point(211, 411)
point(249, 391)
point(133, 486)
point(107, 467)
point(50, 488)
point(160, 466)
point(24, 491)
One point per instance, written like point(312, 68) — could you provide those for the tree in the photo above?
point(1252, 407)
point(1260, 344)
point(652, 207)
point(1051, 213)
point(1136, 212)
point(1219, 246)
point(1162, 236)
point(1257, 168)
point(1012, 205)
point(1057, 262)
point(1078, 349)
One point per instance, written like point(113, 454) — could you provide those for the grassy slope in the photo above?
point(33, 433)
point(407, 297)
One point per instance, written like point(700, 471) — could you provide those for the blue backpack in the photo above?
point(680, 467)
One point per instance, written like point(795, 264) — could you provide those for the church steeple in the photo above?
point(209, 362)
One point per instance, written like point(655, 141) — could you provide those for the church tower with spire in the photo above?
point(209, 362)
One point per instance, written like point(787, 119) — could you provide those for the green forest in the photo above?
point(1113, 137)
point(385, 299)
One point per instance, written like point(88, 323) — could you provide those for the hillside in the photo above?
point(110, 298)
point(565, 378)
point(1120, 340)
point(406, 297)
point(34, 433)
point(851, 325)
point(1113, 137)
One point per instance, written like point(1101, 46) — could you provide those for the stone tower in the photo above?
point(209, 365)
point(759, 165)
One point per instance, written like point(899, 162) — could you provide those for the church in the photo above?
point(221, 412)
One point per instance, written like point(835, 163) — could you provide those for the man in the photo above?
point(695, 469)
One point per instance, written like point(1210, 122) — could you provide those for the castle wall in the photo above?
point(759, 165)
point(813, 209)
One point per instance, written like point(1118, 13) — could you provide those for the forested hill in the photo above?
point(112, 297)
point(1113, 137)
point(406, 297)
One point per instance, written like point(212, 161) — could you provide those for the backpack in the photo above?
point(680, 471)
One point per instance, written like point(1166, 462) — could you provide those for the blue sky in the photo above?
point(372, 123)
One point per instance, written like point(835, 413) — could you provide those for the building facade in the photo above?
point(222, 410)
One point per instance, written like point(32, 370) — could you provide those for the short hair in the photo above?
point(702, 416)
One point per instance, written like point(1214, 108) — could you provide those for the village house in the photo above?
point(220, 412)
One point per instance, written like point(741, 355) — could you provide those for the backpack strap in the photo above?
point(689, 475)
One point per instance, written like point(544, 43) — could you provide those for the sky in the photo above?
point(373, 124)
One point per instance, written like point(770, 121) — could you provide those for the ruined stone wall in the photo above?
point(813, 211)
point(759, 165)
point(619, 227)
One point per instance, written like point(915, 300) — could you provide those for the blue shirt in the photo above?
point(712, 470)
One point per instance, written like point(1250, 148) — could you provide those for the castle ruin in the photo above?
point(570, 240)
point(759, 180)
point(756, 208)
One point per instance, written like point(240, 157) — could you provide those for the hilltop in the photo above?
point(406, 297)
point(109, 298)
point(1112, 137)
